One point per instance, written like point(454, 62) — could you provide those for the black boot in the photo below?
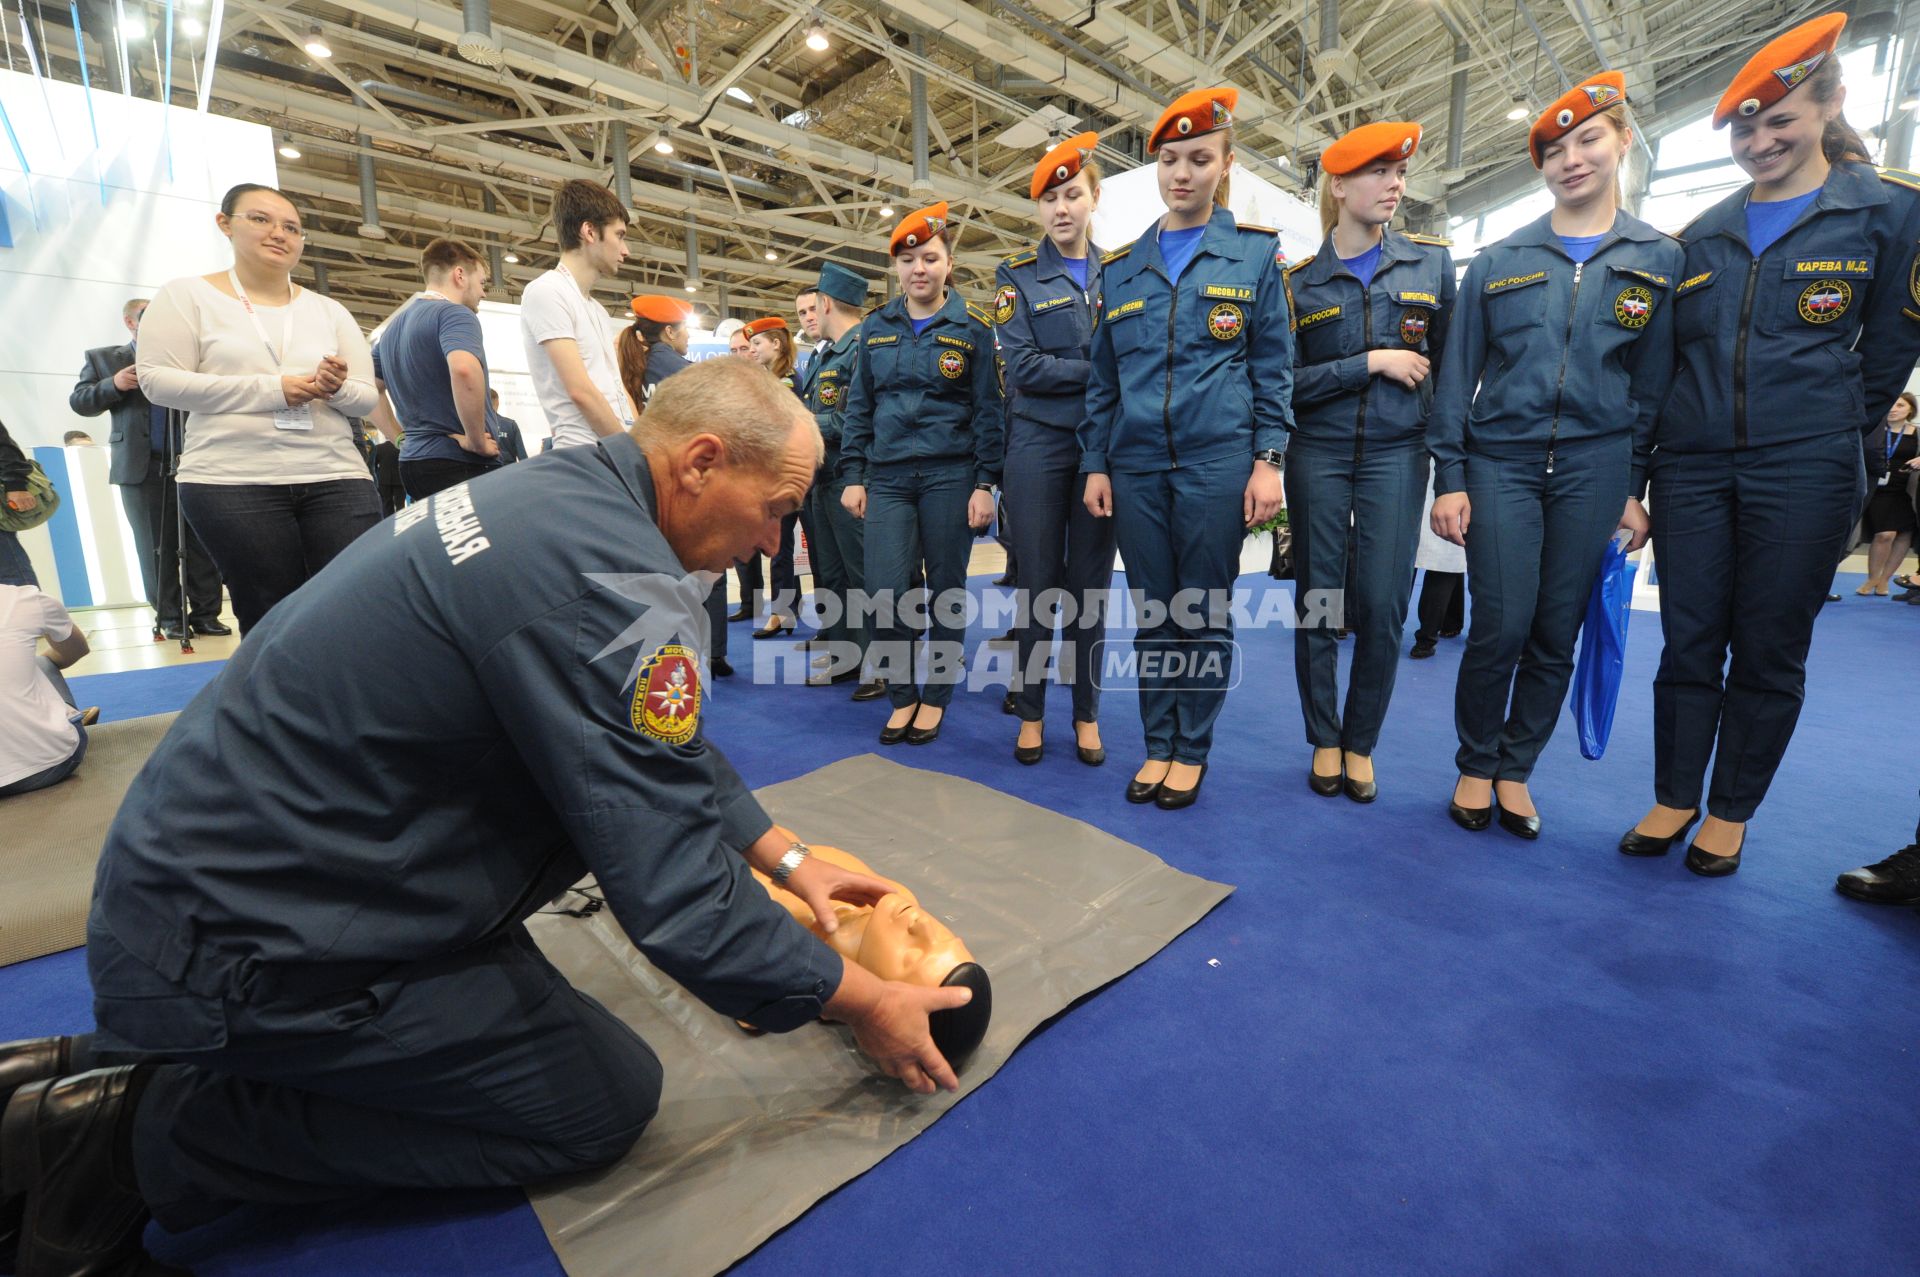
point(21, 1064)
point(68, 1146)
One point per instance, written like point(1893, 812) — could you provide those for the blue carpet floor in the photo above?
point(1400, 1047)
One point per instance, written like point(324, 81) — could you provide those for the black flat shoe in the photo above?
point(1029, 754)
point(1175, 799)
point(1144, 791)
point(1519, 826)
point(1422, 649)
point(1009, 704)
point(211, 629)
point(1635, 843)
point(894, 735)
point(1708, 865)
point(871, 691)
point(1894, 881)
point(721, 667)
point(744, 614)
point(1325, 786)
point(1361, 791)
point(829, 680)
point(1471, 818)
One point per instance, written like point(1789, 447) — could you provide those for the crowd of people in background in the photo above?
point(1488, 432)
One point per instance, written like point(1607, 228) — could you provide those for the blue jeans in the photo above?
point(15, 567)
point(914, 511)
point(267, 539)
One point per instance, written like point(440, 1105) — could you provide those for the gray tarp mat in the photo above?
point(753, 1130)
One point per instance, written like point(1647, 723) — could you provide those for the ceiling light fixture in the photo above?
point(134, 28)
point(192, 27)
point(316, 44)
point(692, 286)
point(1519, 111)
point(739, 94)
point(663, 146)
point(511, 259)
point(816, 33)
point(772, 256)
point(288, 151)
point(886, 210)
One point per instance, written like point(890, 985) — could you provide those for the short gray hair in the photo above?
point(736, 400)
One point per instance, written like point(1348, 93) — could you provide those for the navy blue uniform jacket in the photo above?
point(1043, 323)
point(924, 398)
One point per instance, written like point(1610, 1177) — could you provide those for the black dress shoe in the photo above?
point(1325, 786)
point(1894, 881)
point(1091, 757)
point(1361, 791)
point(872, 691)
point(22, 1064)
point(1473, 818)
point(743, 614)
point(1003, 579)
point(894, 735)
point(1422, 649)
point(172, 633)
point(1175, 799)
point(1635, 843)
point(823, 679)
point(721, 667)
point(212, 629)
point(774, 628)
point(1708, 865)
point(65, 1143)
point(1010, 704)
point(1144, 791)
point(1519, 826)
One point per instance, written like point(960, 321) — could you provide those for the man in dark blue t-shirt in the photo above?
point(430, 363)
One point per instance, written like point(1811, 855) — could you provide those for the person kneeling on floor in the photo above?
point(307, 946)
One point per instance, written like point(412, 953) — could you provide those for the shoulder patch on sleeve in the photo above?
point(1901, 177)
point(1434, 240)
point(1021, 259)
point(1116, 254)
point(980, 313)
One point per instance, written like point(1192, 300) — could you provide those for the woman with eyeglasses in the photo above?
point(271, 376)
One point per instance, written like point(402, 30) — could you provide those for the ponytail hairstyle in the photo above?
point(1226, 156)
point(636, 339)
point(1329, 206)
point(1838, 141)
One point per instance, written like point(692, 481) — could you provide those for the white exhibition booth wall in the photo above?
point(1130, 201)
point(86, 228)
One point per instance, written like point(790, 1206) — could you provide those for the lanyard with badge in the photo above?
point(618, 400)
point(299, 417)
point(1893, 445)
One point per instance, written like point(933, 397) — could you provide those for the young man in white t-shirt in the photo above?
point(569, 341)
point(41, 733)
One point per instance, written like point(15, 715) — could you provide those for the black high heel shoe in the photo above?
point(1144, 791)
point(1635, 843)
point(1472, 819)
point(1175, 799)
point(1325, 786)
point(1708, 865)
point(925, 735)
point(894, 735)
point(1091, 757)
point(1028, 754)
point(1519, 826)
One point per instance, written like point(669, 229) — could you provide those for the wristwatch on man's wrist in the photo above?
point(795, 857)
point(1272, 456)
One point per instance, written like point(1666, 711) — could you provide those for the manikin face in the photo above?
point(1372, 195)
point(1066, 210)
point(1580, 167)
point(1190, 171)
point(1775, 146)
point(906, 943)
point(923, 271)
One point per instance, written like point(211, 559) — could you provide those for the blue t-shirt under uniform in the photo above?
point(1177, 249)
point(1768, 220)
point(1580, 247)
point(1076, 267)
point(1365, 266)
point(412, 359)
point(920, 325)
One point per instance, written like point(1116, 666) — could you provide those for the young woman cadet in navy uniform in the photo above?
point(1558, 356)
point(1798, 320)
point(1370, 314)
point(770, 344)
point(920, 449)
point(1043, 324)
point(1188, 405)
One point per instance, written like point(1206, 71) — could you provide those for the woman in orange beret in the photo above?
point(1798, 318)
point(770, 344)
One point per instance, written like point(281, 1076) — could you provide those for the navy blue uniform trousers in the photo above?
point(1746, 542)
point(914, 511)
point(1375, 501)
point(480, 1068)
point(1535, 542)
point(1059, 546)
point(1181, 531)
point(837, 544)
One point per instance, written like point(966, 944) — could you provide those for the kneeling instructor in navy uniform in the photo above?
point(307, 941)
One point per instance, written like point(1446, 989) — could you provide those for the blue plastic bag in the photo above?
point(1598, 669)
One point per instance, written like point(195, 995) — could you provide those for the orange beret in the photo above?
point(1389, 140)
point(1779, 68)
point(765, 324)
point(661, 310)
point(1063, 162)
point(1194, 114)
point(918, 227)
point(1573, 108)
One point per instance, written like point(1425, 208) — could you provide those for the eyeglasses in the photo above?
point(262, 223)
